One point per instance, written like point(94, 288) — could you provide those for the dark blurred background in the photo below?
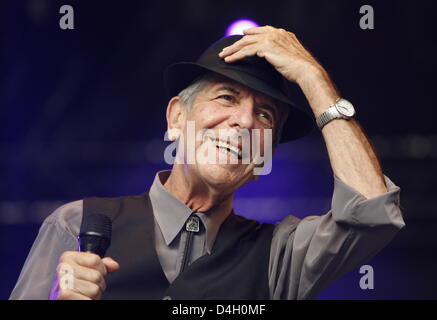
point(82, 113)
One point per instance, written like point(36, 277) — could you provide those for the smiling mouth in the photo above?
point(227, 148)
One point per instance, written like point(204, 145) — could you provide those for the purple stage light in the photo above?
point(238, 26)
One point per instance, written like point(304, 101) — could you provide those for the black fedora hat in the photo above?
point(253, 72)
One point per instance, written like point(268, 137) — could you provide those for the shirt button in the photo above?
point(166, 298)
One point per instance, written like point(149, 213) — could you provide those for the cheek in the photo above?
point(209, 115)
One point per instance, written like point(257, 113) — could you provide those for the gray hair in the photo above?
point(190, 93)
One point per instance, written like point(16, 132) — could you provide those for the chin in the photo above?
point(222, 175)
point(226, 176)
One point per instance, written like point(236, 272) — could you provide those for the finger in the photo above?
point(88, 289)
point(110, 264)
point(250, 50)
point(237, 45)
point(84, 259)
point(90, 275)
point(258, 30)
point(72, 295)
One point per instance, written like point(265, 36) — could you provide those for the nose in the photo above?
point(243, 116)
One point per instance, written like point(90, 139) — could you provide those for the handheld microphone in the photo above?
point(95, 234)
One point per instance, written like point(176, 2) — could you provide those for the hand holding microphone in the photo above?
point(81, 274)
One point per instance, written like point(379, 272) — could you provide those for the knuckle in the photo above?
point(104, 272)
point(64, 267)
point(61, 266)
point(260, 53)
point(93, 259)
point(95, 276)
point(66, 255)
point(272, 36)
point(94, 291)
point(244, 41)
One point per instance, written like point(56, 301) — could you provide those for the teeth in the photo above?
point(222, 144)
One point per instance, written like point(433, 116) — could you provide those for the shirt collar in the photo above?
point(171, 214)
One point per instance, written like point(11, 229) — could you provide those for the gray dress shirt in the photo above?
point(305, 256)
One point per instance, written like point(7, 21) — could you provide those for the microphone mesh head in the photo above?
point(95, 234)
point(98, 224)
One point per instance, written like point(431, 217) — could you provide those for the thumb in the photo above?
point(110, 264)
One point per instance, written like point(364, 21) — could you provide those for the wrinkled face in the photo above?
point(224, 106)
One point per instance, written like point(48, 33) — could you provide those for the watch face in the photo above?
point(345, 108)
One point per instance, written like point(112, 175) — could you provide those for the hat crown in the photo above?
point(253, 65)
point(219, 45)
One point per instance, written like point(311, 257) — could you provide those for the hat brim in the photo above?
point(180, 75)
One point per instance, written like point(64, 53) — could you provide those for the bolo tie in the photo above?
point(192, 226)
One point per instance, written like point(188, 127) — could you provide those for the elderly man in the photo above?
point(182, 240)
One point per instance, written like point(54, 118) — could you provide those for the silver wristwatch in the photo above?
point(342, 109)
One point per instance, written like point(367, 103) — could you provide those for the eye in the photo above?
point(266, 117)
point(226, 97)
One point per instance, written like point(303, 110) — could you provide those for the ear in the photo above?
point(175, 116)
